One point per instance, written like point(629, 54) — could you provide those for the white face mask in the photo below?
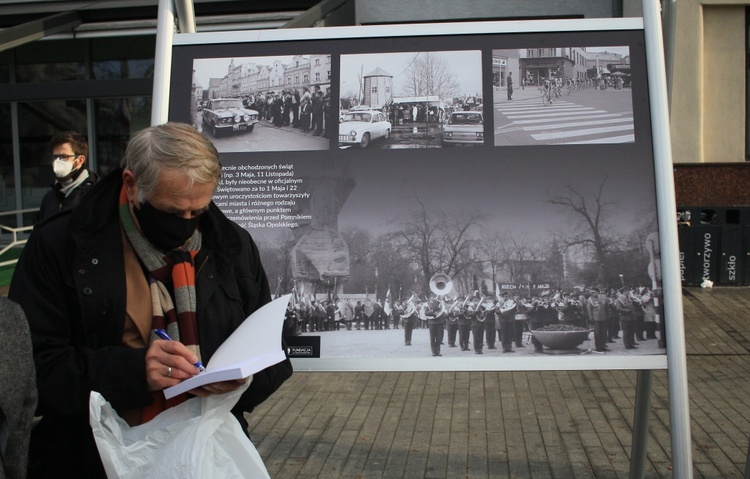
point(62, 168)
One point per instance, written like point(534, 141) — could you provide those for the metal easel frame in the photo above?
point(675, 335)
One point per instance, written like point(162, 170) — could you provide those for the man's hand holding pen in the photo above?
point(169, 362)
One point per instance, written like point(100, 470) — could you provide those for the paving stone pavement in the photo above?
point(538, 424)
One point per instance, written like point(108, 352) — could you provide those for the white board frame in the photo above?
point(675, 359)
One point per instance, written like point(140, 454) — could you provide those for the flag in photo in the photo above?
point(387, 304)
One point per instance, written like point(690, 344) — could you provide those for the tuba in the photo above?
point(441, 284)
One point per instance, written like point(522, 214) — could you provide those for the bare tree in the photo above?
point(429, 75)
point(360, 244)
point(435, 242)
point(491, 253)
point(521, 252)
point(277, 259)
point(587, 222)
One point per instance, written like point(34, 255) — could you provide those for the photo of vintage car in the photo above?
point(464, 128)
point(360, 127)
point(228, 115)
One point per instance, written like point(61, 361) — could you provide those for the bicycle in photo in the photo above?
point(546, 96)
point(557, 91)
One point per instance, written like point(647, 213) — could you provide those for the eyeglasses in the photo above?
point(63, 157)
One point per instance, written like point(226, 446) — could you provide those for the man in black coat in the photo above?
point(69, 154)
point(82, 279)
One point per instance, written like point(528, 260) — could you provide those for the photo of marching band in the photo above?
point(592, 320)
point(365, 278)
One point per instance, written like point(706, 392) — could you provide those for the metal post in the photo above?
point(663, 168)
point(185, 16)
point(669, 13)
point(641, 414)
point(162, 62)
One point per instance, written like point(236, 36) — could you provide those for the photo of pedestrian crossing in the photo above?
point(567, 121)
point(562, 96)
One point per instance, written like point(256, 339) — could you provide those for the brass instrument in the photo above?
point(454, 311)
point(483, 308)
point(508, 305)
point(635, 298)
point(411, 308)
point(435, 309)
point(441, 284)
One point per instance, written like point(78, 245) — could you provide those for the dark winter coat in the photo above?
point(70, 280)
point(54, 201)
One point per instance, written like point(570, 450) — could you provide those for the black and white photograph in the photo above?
point(524, 257)
point(562, 96)
point(537, 248)
point(411, 100)
point(277, 103)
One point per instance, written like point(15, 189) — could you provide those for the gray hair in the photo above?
point(170, 146)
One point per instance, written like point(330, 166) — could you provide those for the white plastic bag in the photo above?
point(199, 439)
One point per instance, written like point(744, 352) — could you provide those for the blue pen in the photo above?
point(163, 335)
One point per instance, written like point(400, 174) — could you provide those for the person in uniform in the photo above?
point(302, 316)
point(505, 314)
point(477, 326)
point(368, 314)
point(596, 304)
point(613, 328)
point(290, 320)
point(567, 310)
point(520, 323)
point(464, 323)
point(536, 315)
point(481, 315)
point(490, 326)
point(435, 314)
point(639, 316)
point(625, 311)
point(331, 323)
point(320, 316)
point(396, 312)
point(411, 316)
point(347, 313)
point(649, 310)
point(381, 319)
point(454, 312)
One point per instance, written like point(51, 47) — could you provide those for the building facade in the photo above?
point(94, 74)
point(378, 88)
point(708, 81)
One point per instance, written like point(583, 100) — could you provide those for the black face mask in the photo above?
point(166, 231)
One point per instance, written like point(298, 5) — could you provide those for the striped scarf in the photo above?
point(178, 316)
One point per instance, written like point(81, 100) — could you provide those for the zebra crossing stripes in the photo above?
point(565, 122)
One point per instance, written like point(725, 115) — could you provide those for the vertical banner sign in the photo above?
point(475, 196)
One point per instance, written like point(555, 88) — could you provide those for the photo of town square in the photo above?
point(411, 100)
point(562, 96)
point(263, 103)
